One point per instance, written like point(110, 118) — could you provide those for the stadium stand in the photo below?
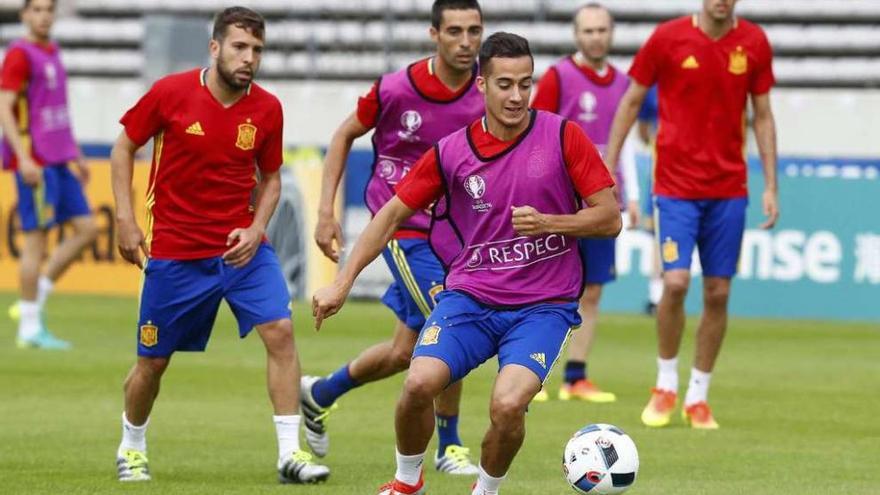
point(817, 42)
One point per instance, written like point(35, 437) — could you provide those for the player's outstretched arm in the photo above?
point(624, 118)
point(327, 301)
point(130, 238)
point(765, 135)
point(600, 219)
point(245, 242)
point(328, 229)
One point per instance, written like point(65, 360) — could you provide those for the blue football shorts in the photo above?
point(58, 198)
point(418, 278)
point(180, 300)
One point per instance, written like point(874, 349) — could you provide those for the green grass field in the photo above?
point(798, 403)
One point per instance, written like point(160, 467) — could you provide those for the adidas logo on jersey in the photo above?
point(690, 63)
point(540, 359)
point(195, 129)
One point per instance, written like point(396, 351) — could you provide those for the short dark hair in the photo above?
point(503, 45)
point(240, 17)
point(595, 6)
point(27, 3)
point(441, 6)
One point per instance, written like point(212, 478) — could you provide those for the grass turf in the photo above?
point(797, 402)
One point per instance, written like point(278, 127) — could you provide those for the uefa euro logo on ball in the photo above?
point(600, 459)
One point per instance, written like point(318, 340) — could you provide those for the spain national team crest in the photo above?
point(247, 136)
point(739, 62)
point(149, 335)
point(670, 251)
point(430, 335)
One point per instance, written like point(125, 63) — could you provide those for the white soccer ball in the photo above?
point(600, 459)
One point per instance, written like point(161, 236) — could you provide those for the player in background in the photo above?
point(646, 127)
point(508, 186)
point(50, 170)
point(410, 110)
point(213, 130)
point(706, 66)
point(586, 88)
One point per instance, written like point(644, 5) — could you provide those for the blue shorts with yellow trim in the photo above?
point(714, 226)
point(418, 278)
point(598, 257)
point(180, 300)
point(58, 198)
point(463, 333)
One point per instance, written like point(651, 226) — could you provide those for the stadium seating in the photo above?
point(816, 42)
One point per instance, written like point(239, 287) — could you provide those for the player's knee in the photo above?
point(278, 336)
point(400, 358)
point(152, 368)
point(508, 409)
point(420, 388)
point(676, 286)
point(716, 295)
point(87, 229)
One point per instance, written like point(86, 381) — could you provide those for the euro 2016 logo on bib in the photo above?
point(476, 188)
point(411, 121)
point(588, 107)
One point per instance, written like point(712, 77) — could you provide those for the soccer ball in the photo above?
point(600, 459)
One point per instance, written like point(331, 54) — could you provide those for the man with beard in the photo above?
point(585, 88)
point(213, 130)
point(706, 66)
point(410, 110)
point(509, 185)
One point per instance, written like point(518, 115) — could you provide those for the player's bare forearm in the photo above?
point(267, 199)
point(8, 123)
point(334, 162)
point(765, 135)
point(600, 219)
point(121, 171)
point(373, 239)
point(624, 118)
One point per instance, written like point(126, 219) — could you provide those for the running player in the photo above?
point(586, 88)
point(706, 66)
point(50, 170)
point(509, 188)
point(213, 130)
point(410, 110)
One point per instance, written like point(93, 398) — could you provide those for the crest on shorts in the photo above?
point(430, 335)
point(247, 136)
point(436, 289)
point(149, 334)
point(670, 251)
point(739, 62)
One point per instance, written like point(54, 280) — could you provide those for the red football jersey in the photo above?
point(423, 184)
point(703, 89)
point(205, 159)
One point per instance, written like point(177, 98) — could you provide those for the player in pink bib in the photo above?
point(507, 193)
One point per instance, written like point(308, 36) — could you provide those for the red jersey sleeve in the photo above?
point(423, 184)
point(647, 62)
point(547, 94)
point(16, 70)
point(145, 119)
point(585, 167)
point(271, 155)
point(762, 78)
point(368, 107)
